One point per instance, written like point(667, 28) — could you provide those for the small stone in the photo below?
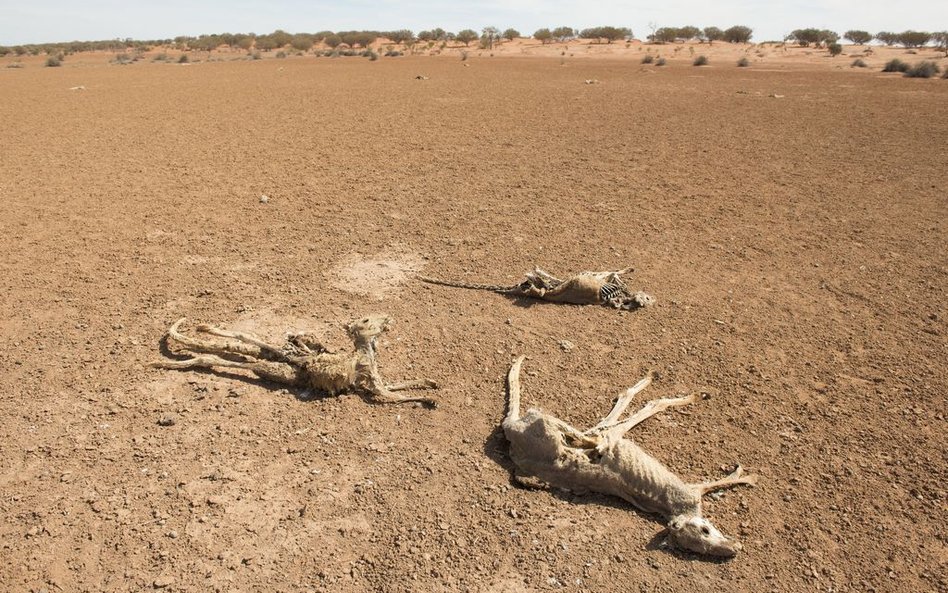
point(566, 345)
point(163, 581)
point(264, 199)
point(167, 420)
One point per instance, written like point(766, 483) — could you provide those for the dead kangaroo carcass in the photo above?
point(601, 460)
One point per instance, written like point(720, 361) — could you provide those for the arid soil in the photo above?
point(789, 222)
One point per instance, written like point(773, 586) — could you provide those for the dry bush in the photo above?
point(895, 65)
point(743, 63)
point(925, 69)
point(700, 61)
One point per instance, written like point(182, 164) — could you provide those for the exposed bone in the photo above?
point(601, 460)
point(302, 361)
point(585, 288)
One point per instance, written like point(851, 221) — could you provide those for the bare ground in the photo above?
point(790, 223)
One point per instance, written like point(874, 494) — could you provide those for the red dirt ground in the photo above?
point(789, 222)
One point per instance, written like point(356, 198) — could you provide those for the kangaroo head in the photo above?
point(369, 327)
point(697, 534)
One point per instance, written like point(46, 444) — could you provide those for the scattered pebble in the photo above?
point(264, 199)
point(167, 420)
point(163, 581)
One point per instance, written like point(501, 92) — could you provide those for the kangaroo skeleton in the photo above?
point(584, 288)
point(601, 460)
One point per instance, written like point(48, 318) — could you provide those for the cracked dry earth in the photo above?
point(796, 247)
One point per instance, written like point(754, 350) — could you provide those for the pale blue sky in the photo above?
point(60, 20)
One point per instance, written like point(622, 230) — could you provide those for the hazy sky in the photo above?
point(61, 20)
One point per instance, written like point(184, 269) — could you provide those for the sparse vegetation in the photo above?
point(738, 34)
point(712, 34)
point(122, 59)
point(15, 65)
point(743, 63)
point(54, 61)
point(183, 59)
point(858, 37)
point(392, 53)
point(648, 59)
point(700, 61)
point(162, 57)
point(941, 40)
point(859, 63)
point(544, 36)
point(660, 62)
point(562, 34)
point(819, 37)
point(910, 39)
point(466, 36)
point(373, 56)
point(610, 34)
point(255, 55)
point(281, 54)
point(511, 34)
point(888, 38)
point(924, 69)
point(834, 49)
point(895, 65)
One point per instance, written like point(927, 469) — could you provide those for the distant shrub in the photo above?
point(834, 49)
point(660, 62)
point(544, 36)
point(895, 65)
point(53, 62)
point(923, 69)
point(463, 55)
point(858, 37)
point(122, 59)
point(281, 54)
point(162, 57)
point(743, 63)
point(183, 59)
point(510, 34)
point(858, 63)
point(648, 59)
point(700, 61)
point(349, 53)
point(466, 36)
point(392, 53)
point(738, 34)
point(371, 55)
point(255, 55)
point(15, 65)
point(914, 38)
point(945, 74)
